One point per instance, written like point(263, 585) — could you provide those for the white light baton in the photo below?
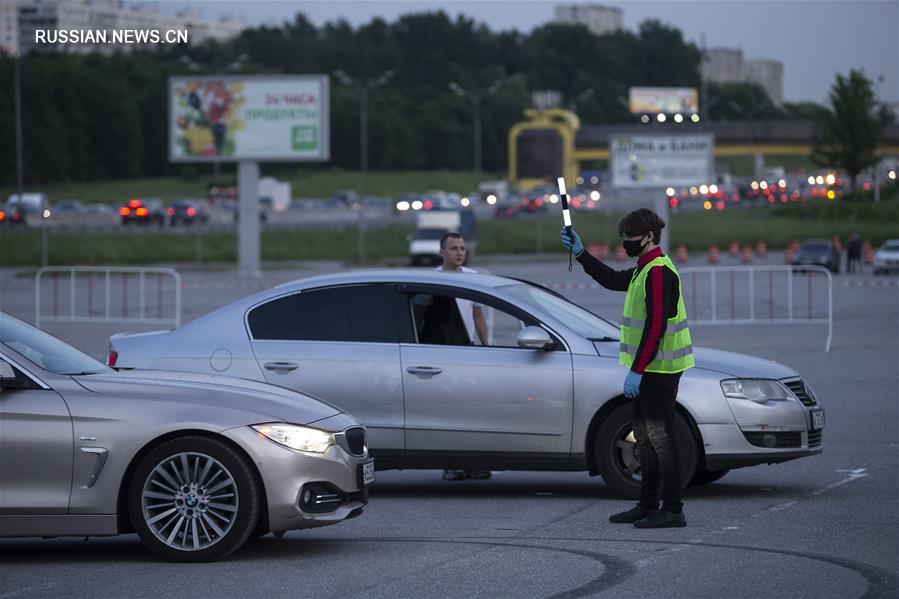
point(566, 216)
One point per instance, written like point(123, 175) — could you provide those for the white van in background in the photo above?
point(31, 204)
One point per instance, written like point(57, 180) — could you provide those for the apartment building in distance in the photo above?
point(727, 65)
point(598, 18)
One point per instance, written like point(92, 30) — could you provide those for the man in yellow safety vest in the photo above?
point(656, 348)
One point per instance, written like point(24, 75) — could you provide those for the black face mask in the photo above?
point(633, 247)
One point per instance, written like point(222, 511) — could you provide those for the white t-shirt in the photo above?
point(466, 307)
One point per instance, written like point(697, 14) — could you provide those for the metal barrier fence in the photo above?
point(758, 295)
point(107, 294)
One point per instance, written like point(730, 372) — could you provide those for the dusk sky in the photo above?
point(814, 40)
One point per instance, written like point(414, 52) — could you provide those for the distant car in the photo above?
point(818, 252)
point(12, 216)
point(145, 211)
point(886, 258)
point(67, 207)
point(195, 464)
point(544, 393)
point(187, 212)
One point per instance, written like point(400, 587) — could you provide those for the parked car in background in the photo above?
point(818, 252)
point(886, 258)
point(195, 464)
point(144, 211)
point(187, 212)
point(544, 392)
point(67, 207)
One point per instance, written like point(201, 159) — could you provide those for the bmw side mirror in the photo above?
point(534, 337)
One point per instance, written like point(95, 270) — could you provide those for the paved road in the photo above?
point(826, 526)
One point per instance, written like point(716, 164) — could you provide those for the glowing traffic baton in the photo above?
point(566, 215)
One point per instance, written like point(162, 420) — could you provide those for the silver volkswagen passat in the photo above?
point(543, 393)
point(195, 464)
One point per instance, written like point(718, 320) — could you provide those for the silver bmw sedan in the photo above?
point(542, 392)
point(196, 464)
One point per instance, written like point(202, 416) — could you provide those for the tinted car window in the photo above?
point(354, 313)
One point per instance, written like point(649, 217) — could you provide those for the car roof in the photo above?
point(398, 275)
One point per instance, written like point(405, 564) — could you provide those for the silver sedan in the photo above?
point(542, 392)
point(195, 464)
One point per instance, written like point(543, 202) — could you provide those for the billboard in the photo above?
point(669, 100)
point(646, 161)
point(235, 118)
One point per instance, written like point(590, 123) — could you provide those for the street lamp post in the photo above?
point(20, 159)
point(476, 109)
point(365, 88)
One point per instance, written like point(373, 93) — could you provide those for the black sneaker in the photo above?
point(632, 515)
point(663, 519)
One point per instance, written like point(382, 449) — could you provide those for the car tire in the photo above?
point(616, 457)
point(705, 477)
point(175, 514)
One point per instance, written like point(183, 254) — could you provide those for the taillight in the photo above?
point(2, 216)
point(171, 212)
point(141, 211)
point(190, 211)
point(111, 358)
point(133, 203)
point(124, 210)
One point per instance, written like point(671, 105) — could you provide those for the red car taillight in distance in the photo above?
point(111, 358)
point(2, 216)
point(133, 204)
point(142, 212)
point(171, 211)
point(190, 211)
point(124, 210)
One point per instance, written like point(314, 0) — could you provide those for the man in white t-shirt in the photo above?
point(452, 250)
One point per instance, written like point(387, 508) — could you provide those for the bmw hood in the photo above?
point(252, 397)
point(724, 362)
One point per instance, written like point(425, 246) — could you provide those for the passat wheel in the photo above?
point(194, 499)
point(618, 457)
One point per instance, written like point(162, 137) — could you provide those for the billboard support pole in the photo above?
point(661, 208)
point(248, 218)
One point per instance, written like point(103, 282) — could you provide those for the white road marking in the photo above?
point(853, 475)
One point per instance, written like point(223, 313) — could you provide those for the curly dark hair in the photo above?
point(640, 222)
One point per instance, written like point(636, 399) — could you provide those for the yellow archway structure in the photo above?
point(554, 126)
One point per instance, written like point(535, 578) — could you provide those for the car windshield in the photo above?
point(584, 323)
point(46, 351)
point(815, 246)
point(891, 247)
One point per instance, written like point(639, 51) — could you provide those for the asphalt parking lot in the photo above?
point(825, 526)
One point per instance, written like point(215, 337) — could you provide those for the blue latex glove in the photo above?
point(572, 242)
point(632, 384)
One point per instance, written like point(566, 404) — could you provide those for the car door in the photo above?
point(339, 344)
point(36, 446)
point(498, 399)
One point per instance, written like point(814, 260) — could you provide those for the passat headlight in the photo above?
point(757, 390)
point(297, 437)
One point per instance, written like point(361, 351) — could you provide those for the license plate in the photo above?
point(367, 473)
point(817, 420)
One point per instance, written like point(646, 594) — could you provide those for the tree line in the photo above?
point(91, 117)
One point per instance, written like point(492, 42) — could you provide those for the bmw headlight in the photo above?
point(297, 437)
point(757, 390)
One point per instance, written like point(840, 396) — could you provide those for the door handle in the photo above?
point(281, 367)
point(424, 370)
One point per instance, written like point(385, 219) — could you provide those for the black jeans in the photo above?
point(660, 467)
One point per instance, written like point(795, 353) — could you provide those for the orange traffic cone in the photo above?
point(681, 255)
point(734, 249)
point(603, 251)
point(713, 254)
point(761, 249)
point(593, 250)
point(746, 258)
point(620, 254)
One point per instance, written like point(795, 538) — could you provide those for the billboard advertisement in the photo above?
point(254, 118)
point(668, 100)
point(649, 161)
